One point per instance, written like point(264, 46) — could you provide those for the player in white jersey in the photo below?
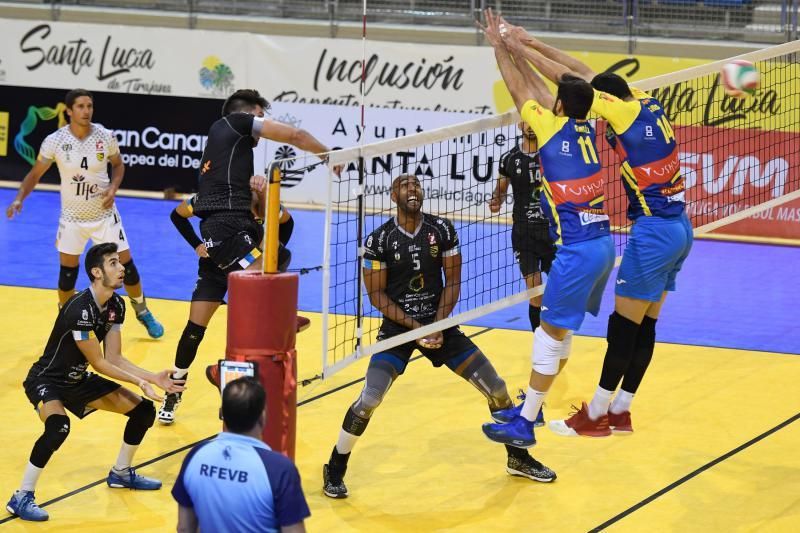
point(83, 150)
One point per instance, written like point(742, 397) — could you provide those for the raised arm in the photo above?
point(565, 62)
point(515, 82)
point(532, 79)
point(180, 219)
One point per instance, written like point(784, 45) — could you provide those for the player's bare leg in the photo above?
point(535, 303)
point(133, 286)
point(141, 414)
point(67, 276)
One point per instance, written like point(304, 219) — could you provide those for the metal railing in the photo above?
point(742, 20)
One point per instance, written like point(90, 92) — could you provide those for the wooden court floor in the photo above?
point(715, 449)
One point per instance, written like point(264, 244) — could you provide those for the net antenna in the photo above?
point(738, 158)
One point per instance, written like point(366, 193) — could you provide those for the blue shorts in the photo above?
point(576, 282)
point(654, 255)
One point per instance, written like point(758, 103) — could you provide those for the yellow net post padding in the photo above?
point(273, 219)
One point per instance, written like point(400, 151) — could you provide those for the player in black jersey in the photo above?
point(404, 260)
point(231, 236)
point(59, 381)
point(530, 233)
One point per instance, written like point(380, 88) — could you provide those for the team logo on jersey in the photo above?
point(85, 314)
point(98, 146)
point(66, 147)
point(434, 251)
point(112, 314)
point(206, 167)
point(101, 156)
point(397, 256)
point(417, 283)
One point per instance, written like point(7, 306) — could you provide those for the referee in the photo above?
point(235, 483)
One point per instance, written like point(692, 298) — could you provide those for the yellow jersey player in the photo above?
point(660, 240)
point(573, 201)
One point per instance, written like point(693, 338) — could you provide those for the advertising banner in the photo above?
point(161, 138)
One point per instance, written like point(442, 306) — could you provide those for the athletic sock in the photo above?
point(533, 403)
point(599, 405)
point(179, 373)
point(534, 315)
point(622, 402)
point(139, 304)
point(346, 442)
point(30, 477)
point(125, 457)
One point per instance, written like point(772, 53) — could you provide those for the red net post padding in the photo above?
point(262, 324)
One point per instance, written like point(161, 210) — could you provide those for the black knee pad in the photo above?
point(285, 230)
point(67, 277)
point(140, 419)
point(131, 273)
point(56, 431)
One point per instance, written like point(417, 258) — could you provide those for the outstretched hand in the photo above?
point(164, 381)
point(492, 30)
point(15, 208)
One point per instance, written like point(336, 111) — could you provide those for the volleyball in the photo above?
point(739, 78)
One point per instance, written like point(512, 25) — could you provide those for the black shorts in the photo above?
point(455, 344)
point(233, 241)
point(74, 397)
point(533, 249)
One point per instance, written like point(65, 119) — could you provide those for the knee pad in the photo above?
point(131, 273)
point(548, 352)
point(380, 376)
point(285, 230)
point(140, 419)
point(56, 431)
point(67, 277)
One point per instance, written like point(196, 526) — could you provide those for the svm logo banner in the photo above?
point(3, 133)
point(30, 123)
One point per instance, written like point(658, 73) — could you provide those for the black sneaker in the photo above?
point(530, 468)
point(333, 483)
point(166, 415)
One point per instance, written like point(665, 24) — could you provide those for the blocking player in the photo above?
point(83, 150)
point(404, 260)
point(573, 201)
point(231, 235)
point(642, 137)
point(58, 381)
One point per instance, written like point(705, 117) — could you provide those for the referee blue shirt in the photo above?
point(237, 483)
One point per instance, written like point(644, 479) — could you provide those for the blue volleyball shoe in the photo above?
point(23, 505)
point(153, 326)
point(131, 480)
point(518, 433)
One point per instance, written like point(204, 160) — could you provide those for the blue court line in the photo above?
point(730, 295)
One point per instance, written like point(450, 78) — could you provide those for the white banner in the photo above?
point(201, 63)
point(456, 173)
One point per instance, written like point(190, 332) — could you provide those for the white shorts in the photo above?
point(72, 236)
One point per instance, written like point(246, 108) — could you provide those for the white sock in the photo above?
point(30, 477)
point(179, 373)
point(622, 402)
point(599, 405)
point(346, 442)
point(125, 457)
point(533, 402)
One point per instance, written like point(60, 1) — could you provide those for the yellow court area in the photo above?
point(423, 463)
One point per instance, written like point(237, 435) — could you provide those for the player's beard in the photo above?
point(112, 283)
